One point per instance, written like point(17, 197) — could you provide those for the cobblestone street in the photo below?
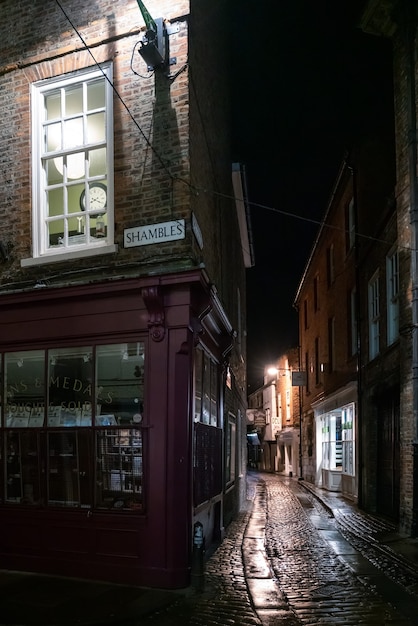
point(287, 561)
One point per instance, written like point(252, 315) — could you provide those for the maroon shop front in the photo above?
point(97, 428)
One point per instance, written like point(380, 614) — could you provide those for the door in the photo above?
point(388, 455)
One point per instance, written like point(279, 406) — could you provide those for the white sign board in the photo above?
point(154, 233)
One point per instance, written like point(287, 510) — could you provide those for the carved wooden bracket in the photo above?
point(154, 302)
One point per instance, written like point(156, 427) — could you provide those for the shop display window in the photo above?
point(22, 471)
point(119, 469)
point(71, 427)
point(24, 385)
point(68, 469)
point(206, 397)
point(70, 380)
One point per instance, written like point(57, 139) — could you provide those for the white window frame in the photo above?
point(392, 296)
point(90, 245)
point(374, 316)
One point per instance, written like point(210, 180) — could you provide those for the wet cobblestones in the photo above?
point(319, 586)
point(311, 574)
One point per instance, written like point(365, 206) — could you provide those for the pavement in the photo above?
point(28, 599)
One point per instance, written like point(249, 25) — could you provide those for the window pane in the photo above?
point(76, 166)
point(22, 467)
point(54, 171)
point(55, 202)
point(213, 394)
point(74, 100)
point(120, 383)
point(96, 128)
point(53, 105)
point(97, 162)
point(68, 468)
point(24, 389)
point(119, 469)
point(53, 137)
point(55, 233)
point(73, 133)
point(198, 385)
point(206, 390)
point(70, 387)
point(96, 95)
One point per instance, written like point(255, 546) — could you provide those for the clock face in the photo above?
point(97, 197)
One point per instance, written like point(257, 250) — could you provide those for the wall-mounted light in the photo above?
point(154, 45)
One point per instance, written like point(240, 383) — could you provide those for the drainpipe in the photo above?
point(359, 428)
point(411, 25)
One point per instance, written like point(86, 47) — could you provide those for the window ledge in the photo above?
point(69, 256)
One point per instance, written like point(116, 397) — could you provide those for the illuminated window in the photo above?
point(332, 448)
point(72, 164)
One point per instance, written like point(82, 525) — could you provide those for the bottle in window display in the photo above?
point(100, 226)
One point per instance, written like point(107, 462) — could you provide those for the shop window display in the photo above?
point(71, 427)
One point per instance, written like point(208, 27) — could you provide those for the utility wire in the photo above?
point(195, 189)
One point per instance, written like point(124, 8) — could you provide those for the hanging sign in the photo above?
point(298, 379)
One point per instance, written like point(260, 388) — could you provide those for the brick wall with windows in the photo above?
point(121, 227)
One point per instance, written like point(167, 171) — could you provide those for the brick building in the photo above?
point(273, 413)
point(397, 21)
point(328, 347)
point(342, 441)
point(124, 226)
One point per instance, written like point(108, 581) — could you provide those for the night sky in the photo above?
point(307, 84)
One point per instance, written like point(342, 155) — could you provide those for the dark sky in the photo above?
point(307, 84)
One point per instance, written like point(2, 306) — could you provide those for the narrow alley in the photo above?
point(291, 560)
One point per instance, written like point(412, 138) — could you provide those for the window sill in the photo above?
point(69, 256)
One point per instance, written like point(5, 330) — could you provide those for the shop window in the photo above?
point(230, 450)
point(68, 469)
point(22, 467)
point(119, 469)
point(75, 441)
point(206, 395)
point(70, 373)
point(332, 450)
point(72, 164)
point(120, 384)
point(347, 424)
point(24, 385)
point(207, 463)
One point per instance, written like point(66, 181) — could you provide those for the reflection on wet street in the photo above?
point(287, 561)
